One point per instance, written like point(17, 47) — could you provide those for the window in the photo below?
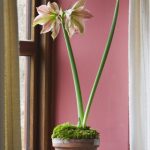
point(26, 53)
point(36, 80)
point(24, 97)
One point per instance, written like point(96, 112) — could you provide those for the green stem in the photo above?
point(75, 77)
point(102, 64)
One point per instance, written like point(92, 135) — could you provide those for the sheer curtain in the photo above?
point(139, 74)
point(10, 134)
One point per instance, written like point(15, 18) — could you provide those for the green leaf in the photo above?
point(102, 64)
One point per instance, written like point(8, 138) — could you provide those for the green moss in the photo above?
point(68, 131)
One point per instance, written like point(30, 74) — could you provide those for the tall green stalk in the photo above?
point(75, 76)
point(102, 64)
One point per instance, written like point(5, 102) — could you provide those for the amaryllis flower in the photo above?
point(75, 17)
point(49, 18)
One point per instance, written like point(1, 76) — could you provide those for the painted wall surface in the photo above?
point(109, 113)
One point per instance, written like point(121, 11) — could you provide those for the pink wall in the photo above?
point(109, 114)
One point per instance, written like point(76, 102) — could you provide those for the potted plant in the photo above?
point(52, 17)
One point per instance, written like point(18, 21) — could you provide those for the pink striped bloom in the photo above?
point(49, 18)
point(75, 17)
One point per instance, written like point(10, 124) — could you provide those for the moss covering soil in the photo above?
point(68, 131)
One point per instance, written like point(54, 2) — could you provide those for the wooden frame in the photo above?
point(41, 86)
point(27, 48)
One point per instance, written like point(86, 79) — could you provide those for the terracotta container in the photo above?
point(81, 144)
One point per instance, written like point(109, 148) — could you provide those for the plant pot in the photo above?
point(76, 144)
